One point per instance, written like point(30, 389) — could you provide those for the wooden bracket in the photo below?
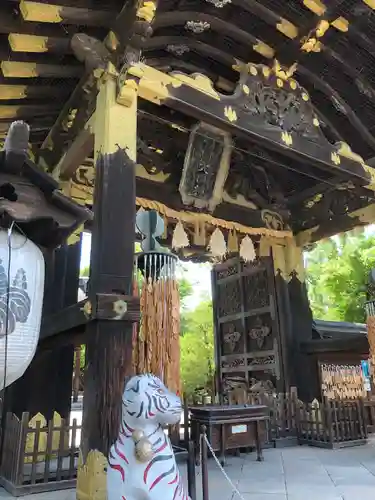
point(117, 307)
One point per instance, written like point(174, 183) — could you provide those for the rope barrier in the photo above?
point(203, 436)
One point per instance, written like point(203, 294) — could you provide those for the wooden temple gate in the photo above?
point(156, 105)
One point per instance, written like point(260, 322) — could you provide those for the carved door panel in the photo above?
point(247, 339)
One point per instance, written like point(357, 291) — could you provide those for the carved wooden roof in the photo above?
point(38, 71)
point(326, 46)
point(207, 36)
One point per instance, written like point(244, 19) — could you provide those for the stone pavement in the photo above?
point(298, 473)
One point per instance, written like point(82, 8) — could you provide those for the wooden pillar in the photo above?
point(294, 315)
point(108, 342)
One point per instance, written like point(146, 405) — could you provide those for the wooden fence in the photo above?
point(369, 409)
point(38, 458)
point(329, 424)
point(41, 456)
point(332, 424)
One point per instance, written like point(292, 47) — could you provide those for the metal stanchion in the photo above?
point(204, 459)
point(192, 487)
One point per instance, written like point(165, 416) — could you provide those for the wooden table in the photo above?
point(230, 427)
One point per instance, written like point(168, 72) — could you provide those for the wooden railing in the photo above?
point(332, 424)
point(37, 459)
point(328, 424)
point(40, 456)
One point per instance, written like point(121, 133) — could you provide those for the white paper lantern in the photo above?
point(25, 285)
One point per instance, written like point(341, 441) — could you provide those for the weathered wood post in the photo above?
point(111, 307)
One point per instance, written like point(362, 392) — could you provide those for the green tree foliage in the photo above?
point(185, 289)
point(197, 348)
point(337, 274)
point(85, 272)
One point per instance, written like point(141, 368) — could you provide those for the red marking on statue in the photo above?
point(129, 428)
point(119, 469)
point(174, 480)
point(146, 472)
point(120, 454)
point(123, 431)
point(157, 480)
point(151, 414)
point(162, 447)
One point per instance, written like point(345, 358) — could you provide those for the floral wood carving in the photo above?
point(272, 220)
point(259, 332)
point(278, 103)
point(197, 27)
point(206, 167)
point(265, 360)
point(231, 338)
point(235, 363)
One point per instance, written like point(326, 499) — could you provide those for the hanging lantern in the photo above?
point(156, 340)
point(21, 301)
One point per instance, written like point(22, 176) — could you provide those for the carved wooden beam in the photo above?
point(337, 224)
point(15, 92)
point(240, 114)
point(77, 153)
point(50, 13)
point(19, 69)
point(95, 55)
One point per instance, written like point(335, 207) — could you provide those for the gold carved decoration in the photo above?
point(311, 45)
point(287, 138)
point(264, 49)
point(272, 220)
point(370, 3)
point(335, 158)
point(230, 114)
point(313, 201)
point(322, 28)
point(152, 84)
point(92, 477)
point(287, 28)
point(315, 6)
point(198, 82)
point(283, 73)
point(147, 11)
point(344, 150)
point(128, 93)
point(341, 24)
point(87, 309)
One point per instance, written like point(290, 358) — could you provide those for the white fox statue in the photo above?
point(142, 465)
